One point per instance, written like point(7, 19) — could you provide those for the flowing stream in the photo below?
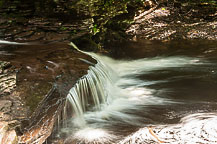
point(145, 92)
point(116, 97)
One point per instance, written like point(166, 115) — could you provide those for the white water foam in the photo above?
point(199, 128)
point(111, 92)
point(92, 136)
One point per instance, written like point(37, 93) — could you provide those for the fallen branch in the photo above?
point(147, 12)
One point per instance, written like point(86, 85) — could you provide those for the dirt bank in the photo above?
point(175, 21)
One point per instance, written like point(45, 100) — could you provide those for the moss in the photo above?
point(109, 18)
point(36, 94)
point(1, 3)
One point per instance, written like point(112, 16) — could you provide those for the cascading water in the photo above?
point(117, 96)
point(111, 95)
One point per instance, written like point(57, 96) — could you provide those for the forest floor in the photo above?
point(161, 22)
point(170, 22)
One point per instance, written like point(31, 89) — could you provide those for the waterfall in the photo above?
point(111, 93)
point(89, 90)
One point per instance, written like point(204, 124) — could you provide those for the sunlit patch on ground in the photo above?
point(166, 23)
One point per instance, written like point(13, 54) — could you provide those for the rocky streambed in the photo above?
point(35, 78)
point(34, 82)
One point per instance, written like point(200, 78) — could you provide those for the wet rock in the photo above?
point(7, 78)
point(7, 135)
point(7, 83)
point(3, 66)
point(8, 106)
point(40, 68)
point(5, 109)
point(194, 128)
point(5, 106)
point(43, 119)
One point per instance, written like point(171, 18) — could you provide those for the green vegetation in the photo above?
point(107, 19)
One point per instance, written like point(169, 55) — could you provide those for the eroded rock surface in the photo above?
point(7, 78)
point(7, 84)
point(195, 128)
point(43, 75)
point(7, 135)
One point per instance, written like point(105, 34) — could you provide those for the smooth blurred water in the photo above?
point(194, 86)
point(152, 83)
